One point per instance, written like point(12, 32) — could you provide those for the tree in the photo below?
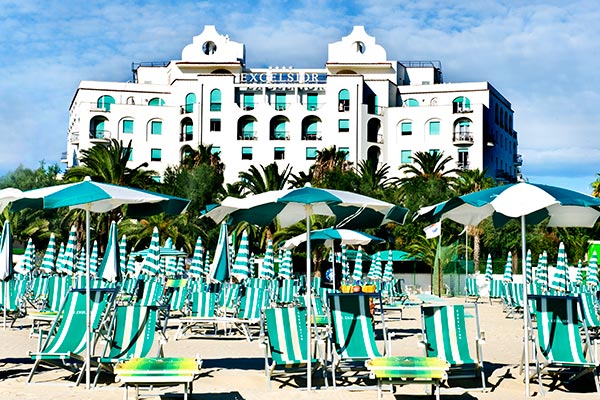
point(374, 179)
point(254, 181)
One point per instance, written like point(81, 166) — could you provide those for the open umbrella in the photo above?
point(267, 268)
point(47, 265)
point(241, 269)
point(531, 204)
point(489, 268)
point(219, 269)
point(197, 264)
point(110, 269)
point(6, 264)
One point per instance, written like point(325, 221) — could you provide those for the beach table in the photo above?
point(154, 372)
point(400, 370)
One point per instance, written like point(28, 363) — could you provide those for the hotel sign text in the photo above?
point(284, 77)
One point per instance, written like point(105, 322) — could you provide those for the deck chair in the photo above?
point(132, 334)
point(202, 315)
point(248, 314)
point(12, 299)
point(559, 340)
point(286, 343)
point(471, 290)
point(351, 333)
point(495, 290)
point(179, 294)
point(589, 313)
point(66, 339)
point(149, 291)
point(285, 291)
point(444, 335)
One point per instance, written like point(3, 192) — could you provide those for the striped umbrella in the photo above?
point(70, 252)
point(207, 263)
point(559, 279)
point(110, 270)
point(170, 262)
point(123, 256)
point(151, 264)
point(579, 276)
point(59, 259)
point(345, 265)
point(267, 269)
point(285, 268)
point(541, 275)
point(489, 268)
point(94, 259)
point(528, 268)
point(28, 261)
point(130, 264)
point(180, 269)
point(357, 274)
point(388, 272)
point(592, 271)
point(508, 268)
point(375, 272)
point(47, 265)
point(197, 265)
point(241, 268)
point(252, 263)
point(80, 266)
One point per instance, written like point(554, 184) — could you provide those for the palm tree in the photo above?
point(203, 155)
point(254, 182)
point(330, 159)
point(373, 178)
point(596, 186)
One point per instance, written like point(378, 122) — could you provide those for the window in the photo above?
point(280, 101)
point(405, 156)
point(156, 102)
point(187, 130)
point(344, 100)
point(215, 150)
point(312, 101)
point(156, 127)
point(345, 150)
point(406, 128)
point(248, 130)
point(411, 103)
point(463, 158)
point(461, 104)
point(434, 127)
point(190, 100)
point(311, 153)
point(279, 153)
point(312, 130)
point(248, 101)
point(344, 125)
point(105, 102)
point(127, 126)
point(130, 157)
point(215, 124)
point(434, 152)
point(280, 131)
point(246, 153)
point(215, 100)
point(155, 154)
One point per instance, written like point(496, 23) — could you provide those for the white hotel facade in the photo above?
point(363, 103)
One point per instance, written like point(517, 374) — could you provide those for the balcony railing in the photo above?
point(280, 135)
point(100, 134)
point(462, 139)
point(74, 137)
point(185, 137)
point(462, 165)
point(311, 136)
point(247, 136)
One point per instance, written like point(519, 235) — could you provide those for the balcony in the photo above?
point(249, 135)
point(462, 165)
point(462, 139)
point(281, 106)
point(99, 136)
point(74, 137)
point(311, 136)
point(518, 160)
point(458, 108)
point(280, 135)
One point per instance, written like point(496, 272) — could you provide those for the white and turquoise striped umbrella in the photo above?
point(123, 256)
point(592, 271)
point(170, 262)
point(80, 266)
point(252, 263)
point(388, 272)
point(180, 269)
point(508, 268)
point(285, 268)
point(207, 263)
point(489, 268)
point(110, 269)
point(59, 259)
point(267, 269)
point(375, 272)
point(559, 279)
point(541, 275)
point(579, 276)
point(151, 263)
point(345, 264)
point(130, 264)
point(197, 265)
point(94, 259)
point(28, 260)
point(528, 268)
point(357, 274)
point(47, 265)
point(221, 265)
point(68, 265)
point(241, 268)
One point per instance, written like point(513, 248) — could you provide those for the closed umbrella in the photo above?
point(579, 276)
point(508, 269)
point(170, 262)
point(47, 264)
point(131, 264)
point(197, 264)
point(207, 263)
point(388, 272)
point(528, 268)
point(60, 259)
point(28, 261)
point(220, 267)
point(541, 275)
point(375, 272)
point(345, 265)
point(94, 259)
point(241, 268)
point(110, 270)
point(151, 263)
point(558, 281)
point(592, 271)
point(80, 266)
point(70, 251)
point(179, 270)
point(285, 268)
point(357, 273)
point(489, 268)
point(123, 256)
point(267, 268)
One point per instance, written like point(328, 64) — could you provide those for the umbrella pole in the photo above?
point(526, 316)
point(5, 302)
point(308, 299)
point(88, 296)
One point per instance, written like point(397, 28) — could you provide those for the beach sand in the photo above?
point(233, 368)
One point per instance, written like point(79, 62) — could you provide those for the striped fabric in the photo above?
point(287, 333)
point(133, 333)
point(203, 304)
point(286, 291)
point(588, 305)
point(252, 303)
point(47, 265)
point(153, 290)
point(471, 289)
point(58, 286)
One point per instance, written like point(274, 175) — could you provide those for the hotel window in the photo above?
point(279, 153)
point(105, 102)
point(190, 100)
point(248, 130)
point(280, 101)
point(411, 103)
point(127, 126)
point(280, 131)
point(405, 157)
point(344, 100)
point(155, 154)
point(246, 153)
point(311, 153)
point(434, 127)
point(130, 157)
point(463, 158)
point(461, 104)
point(215, 100)
point(156, 127)
point(434, 152)
point(156, 102)
point(248, 101)
point(345, 150)
point(406, 128)
point(187, 130)
point(215, 124)
point(344, 125)
point(215, 150)
point(312, 101)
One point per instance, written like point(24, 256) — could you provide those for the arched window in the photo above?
point(98, 129)
point(278, 129)
point(157, 102)
point(190, 100)
point(246, 128)
point(411, 103)
point(104, 102)
point(187, 130)
point(215, 100)
point(461, 104)
point(344, 100)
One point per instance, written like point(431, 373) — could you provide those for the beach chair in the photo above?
point(588, 312)
point(12, 299)
point(285, 291)
point(202, 315)
point(66, 339)
point(179, 294)
point(495, 290)
point(132, 334)
point(444, 335)
point(351, 333)
point(286, 343)
point(149, 291)
point(248, 314)
point(471, 290)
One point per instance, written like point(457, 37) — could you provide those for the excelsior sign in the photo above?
point(284, 77)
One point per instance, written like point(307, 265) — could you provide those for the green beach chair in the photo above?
point(151, 290)
point(445, 336)
point(560, 342)
point(12, 299)
point(249, 311)
point(202, 315)
point(471, 290)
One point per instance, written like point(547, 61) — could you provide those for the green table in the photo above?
point(408, 370)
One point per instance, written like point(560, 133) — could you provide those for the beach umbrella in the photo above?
point(197, 265)
point(131, 264)
point(285, 268)
point(579, 276)
point(60, 259)
point(220, 267)
point(592, 271)
point(541, 275)
point(94, 259)
point(507, 277)
point(489, 268)
point(207, 263)
point(388, 272)
point(345, 264)
point(9, 195)
point(68, 260)
point(179, 270)
point(6, 263)
point(357, 273)
point(47, 264)
point(151, 263)
point(528, 202)
point(170, 262)
point(80, 266)
point(528, 268)
point(123, 256)
point(375, 272)
point(558, 281)
point(110, 270)
point(267, 268)
point(241, 269)
point(28, 261)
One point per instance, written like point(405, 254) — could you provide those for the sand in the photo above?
point(233, 368)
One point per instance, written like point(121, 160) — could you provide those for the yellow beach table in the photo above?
point(167, 371)
point(408, 370)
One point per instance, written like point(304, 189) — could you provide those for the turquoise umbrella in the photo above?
point(541, 275)
point(220, 267)
point(171, 262)
point(579, 277)
point(388, 272)
point(592, 271)
point(197, 265)
point(489, 268)
point(207, 263)
point(179, 270)
point(559, 279)
point(267, 268)
point(151, 263)
point(285, 268)
point(47, 265)
point(357, 274)
point(80, 266)
point(94, 259)
point(68, 265)
point(528, 268)
point(60, 259)
point(110, 269)
point(123, 256)
point(508, 268)
point(345, 265)
point(241, 268)
point(28, 261)
point(375, 272)
point(131, 264)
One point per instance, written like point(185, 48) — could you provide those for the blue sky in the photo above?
point(541, 55)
